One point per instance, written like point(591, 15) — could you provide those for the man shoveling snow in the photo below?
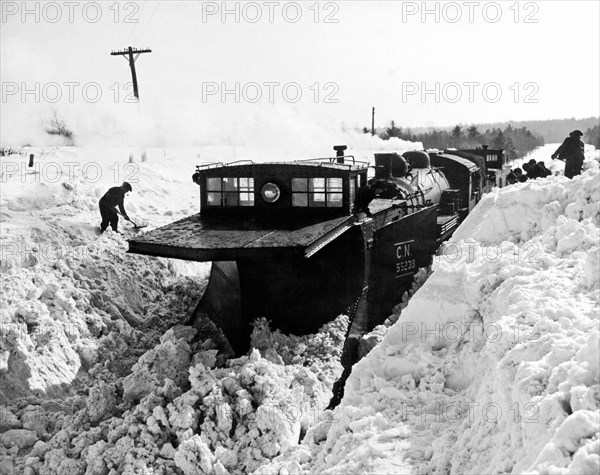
point(108, 206)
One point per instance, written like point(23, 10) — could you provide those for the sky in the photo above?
point(222, 70)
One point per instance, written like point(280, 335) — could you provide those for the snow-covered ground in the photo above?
point(492, 367)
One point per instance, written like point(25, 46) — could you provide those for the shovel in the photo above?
point(135, 225)
point(138, 226)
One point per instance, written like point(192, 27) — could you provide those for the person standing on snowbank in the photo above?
point(571, 151)
point(108, 206)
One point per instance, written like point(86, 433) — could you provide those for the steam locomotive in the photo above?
point(292, 241)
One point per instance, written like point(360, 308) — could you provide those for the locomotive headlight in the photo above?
point(270, 192)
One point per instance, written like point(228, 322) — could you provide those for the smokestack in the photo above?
point(339, 152)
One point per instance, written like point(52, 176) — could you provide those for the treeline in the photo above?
point(592, 136)
point(553, 130)
point(516, 141)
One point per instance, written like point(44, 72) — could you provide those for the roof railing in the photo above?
point(240, 162)
point(321, 161)
point(334, 160)
point(207, 166)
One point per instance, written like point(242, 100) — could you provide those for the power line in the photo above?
point(149, 21)
point(135, 24)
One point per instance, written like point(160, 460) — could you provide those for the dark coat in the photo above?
point(531, 173)
point(522, 178)
point(541, 171)
point(114, 197)
point(572, 148)
point(572, 152)
point(364, 196)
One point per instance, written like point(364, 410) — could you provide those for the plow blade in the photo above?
point(222, 304)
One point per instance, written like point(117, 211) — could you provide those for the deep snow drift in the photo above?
point(491, 367)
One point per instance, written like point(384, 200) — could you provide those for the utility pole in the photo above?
point(373, 121)
point(130, 52)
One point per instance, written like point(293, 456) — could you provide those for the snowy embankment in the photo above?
point(64, 288)
point(493, 367)
point(97, 372)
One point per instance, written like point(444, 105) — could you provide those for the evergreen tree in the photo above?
point(457, 132)
point(393, 131)
point(499, 139)
point(473, 133)
point(509, 147)
point(456, 136)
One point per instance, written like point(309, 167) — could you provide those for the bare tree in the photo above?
point(57, 126)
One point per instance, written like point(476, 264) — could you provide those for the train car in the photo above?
point(301, 242)
point(493, 163)
point(483, 184)
point(465, 178)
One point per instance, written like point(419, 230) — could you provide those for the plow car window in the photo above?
point(317, 192)
point(230, 191)
point(352, 189)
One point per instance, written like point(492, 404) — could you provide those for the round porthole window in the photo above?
point(270, 192)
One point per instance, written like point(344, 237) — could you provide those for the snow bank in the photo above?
point(64, 289)
point(97, 372)
point(197, 418)
point(492, 367)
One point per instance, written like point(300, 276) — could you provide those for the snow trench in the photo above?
point(491, 367)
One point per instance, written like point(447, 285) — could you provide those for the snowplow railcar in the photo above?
point(295, 242)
